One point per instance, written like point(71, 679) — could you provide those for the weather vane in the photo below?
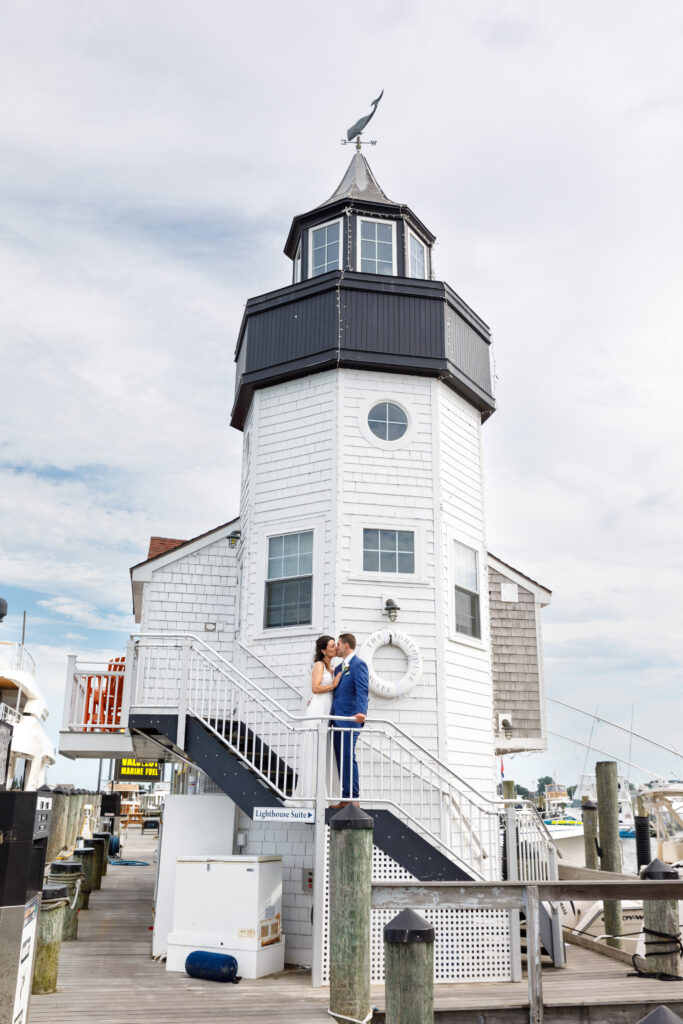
point(355, 130)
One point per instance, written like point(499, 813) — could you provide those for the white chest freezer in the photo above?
point(229, 904)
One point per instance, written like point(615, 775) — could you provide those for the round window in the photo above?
point(387, 421)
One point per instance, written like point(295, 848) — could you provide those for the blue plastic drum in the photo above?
point(211, 966)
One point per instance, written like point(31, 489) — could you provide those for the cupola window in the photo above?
point(326, 248)
point(387, 421)
point(377, 248)
point(416, 257)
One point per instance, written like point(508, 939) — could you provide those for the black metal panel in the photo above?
point(395, 325)
point(226, 770)
point(410, 850)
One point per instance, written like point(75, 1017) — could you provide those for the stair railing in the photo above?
point(181, 672)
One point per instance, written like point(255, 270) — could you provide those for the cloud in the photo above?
point(80, 611)
point(148, 186)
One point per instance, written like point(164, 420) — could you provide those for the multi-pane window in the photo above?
point(388, 551)
point(467, 619)
point(416, 252)
point(387, 421)
point(376, 247)
point(289, 581)
point(325, 246)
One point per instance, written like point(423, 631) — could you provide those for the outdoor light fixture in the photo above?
point(505, 724)
point(391, 609)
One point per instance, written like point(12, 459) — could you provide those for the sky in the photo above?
point(153, 156)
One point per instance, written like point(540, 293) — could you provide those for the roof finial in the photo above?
point(355, 130)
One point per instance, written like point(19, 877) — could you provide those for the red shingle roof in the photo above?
point(160, 545)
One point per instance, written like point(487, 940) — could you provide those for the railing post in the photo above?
point(129, 681)
point(513, 876)
point(182, 692)
point(69, 695)
point(533, 954)
point(319, 856)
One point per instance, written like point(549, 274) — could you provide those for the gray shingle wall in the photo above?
point(515, 658)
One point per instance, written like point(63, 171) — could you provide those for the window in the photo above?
point(417, 263)
point(387, 421)
point(289, 581)
point(376, 247)
point(297, 264)
point(388, 551)
point(325, 248)
point(466, 591)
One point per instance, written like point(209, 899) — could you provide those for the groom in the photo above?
point(349, 700)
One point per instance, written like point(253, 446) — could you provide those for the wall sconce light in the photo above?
point(505, 724)
point(391, 609)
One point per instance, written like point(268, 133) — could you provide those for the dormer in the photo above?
point(359, 229)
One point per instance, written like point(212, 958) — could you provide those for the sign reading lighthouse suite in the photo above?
point(131, 768)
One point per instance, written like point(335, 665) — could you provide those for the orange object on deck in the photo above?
point(104, 698)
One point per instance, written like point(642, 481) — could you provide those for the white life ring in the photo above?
point(388, 636)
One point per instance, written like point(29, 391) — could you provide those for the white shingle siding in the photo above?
point(315, 465)
point(196, 588)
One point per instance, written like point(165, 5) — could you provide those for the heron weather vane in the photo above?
point(355, 130)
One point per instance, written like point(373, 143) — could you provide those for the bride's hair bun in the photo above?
point(320, 645)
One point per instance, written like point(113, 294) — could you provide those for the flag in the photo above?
point(502, 769)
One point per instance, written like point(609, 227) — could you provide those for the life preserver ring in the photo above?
point(388, 636)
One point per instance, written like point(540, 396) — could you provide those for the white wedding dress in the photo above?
point(319, 705)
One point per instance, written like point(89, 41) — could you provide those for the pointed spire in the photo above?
point(359, 183)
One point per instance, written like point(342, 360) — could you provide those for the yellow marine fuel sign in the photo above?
point(131, 768)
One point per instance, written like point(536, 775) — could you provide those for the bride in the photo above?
point(319, 705)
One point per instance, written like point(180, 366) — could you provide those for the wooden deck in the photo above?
point(108, 977)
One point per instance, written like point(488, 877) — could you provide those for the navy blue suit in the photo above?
point(349, 698)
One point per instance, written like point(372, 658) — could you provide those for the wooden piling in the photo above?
point(589, 817)
point(409, 970)
point(661, 926)
point(350, 886)
point(610, 848)
point(509, 789)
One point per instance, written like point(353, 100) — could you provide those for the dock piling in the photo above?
point(350, 888)
point(610, 849)
point(589, 816)
point(409, 969)
point(661, 926)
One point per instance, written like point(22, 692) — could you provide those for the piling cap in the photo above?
point(63, 867)
point(55, 892)
point(85, 850)
point(658, 869)
point(60, 789)
point(408, 927)
point(351, 817)
point(661, 1015)
point(589, 806)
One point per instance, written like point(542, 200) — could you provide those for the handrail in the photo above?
point(495, 804)
point(8, 714)
point(265, 664)
point(182, 669)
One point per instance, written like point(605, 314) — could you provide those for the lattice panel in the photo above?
point(470, 945)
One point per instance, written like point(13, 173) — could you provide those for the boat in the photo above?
point(26, 751)
point(664, 804)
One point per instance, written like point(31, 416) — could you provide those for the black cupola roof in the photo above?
point(363, 296)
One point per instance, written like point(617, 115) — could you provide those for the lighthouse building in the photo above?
point(361, 390)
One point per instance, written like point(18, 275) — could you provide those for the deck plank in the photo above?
point(108, 975)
